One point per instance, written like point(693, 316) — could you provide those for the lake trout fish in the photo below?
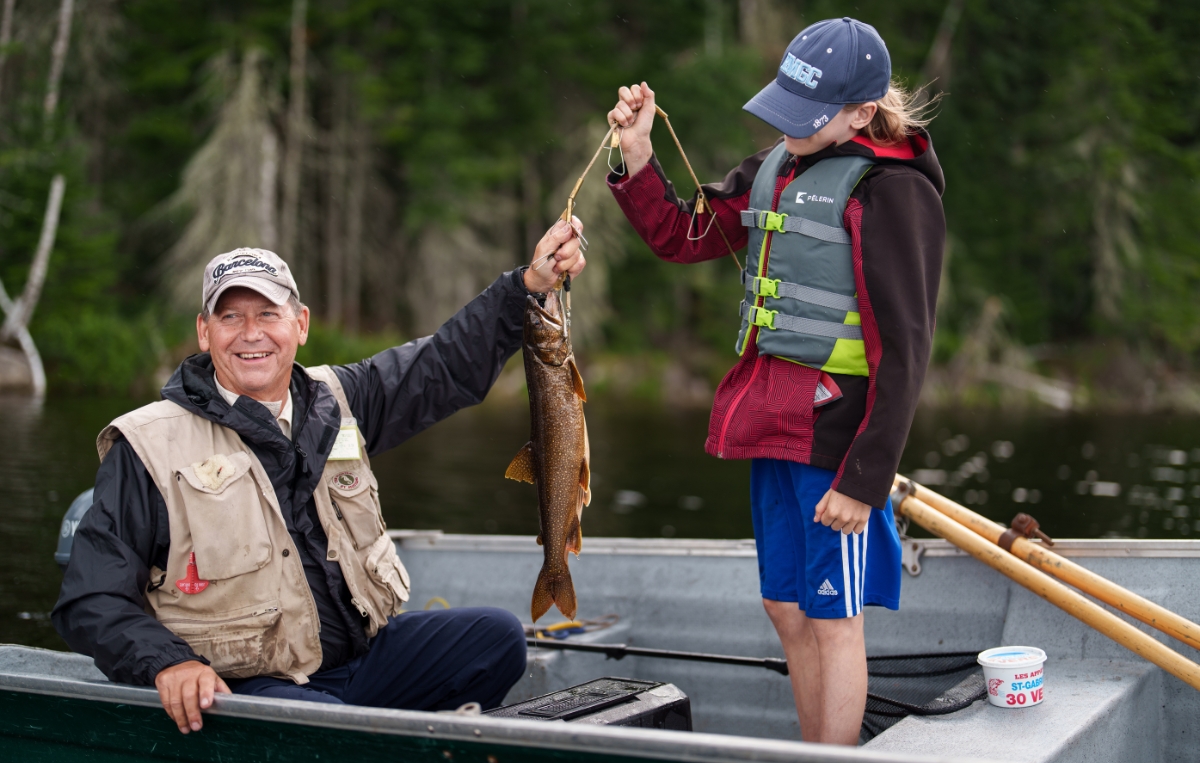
point(556, 458)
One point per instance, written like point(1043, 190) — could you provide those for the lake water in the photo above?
point(1081, 475)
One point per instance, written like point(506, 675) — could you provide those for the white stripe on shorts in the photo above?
point(847, 591)
point(857, 577)
point(862, 586)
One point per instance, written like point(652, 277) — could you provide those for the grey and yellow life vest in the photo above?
point(802, 297)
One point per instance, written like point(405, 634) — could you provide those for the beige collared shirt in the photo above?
point(281, 411)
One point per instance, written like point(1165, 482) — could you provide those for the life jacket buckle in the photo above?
point(771, 221)
point(766, 287)
point(763, 318)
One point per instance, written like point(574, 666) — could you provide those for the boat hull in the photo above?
point(1102, 703)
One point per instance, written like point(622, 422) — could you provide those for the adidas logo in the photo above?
point(826, 589)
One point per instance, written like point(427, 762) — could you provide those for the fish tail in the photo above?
point(553, 589)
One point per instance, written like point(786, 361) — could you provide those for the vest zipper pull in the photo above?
point(337, 510)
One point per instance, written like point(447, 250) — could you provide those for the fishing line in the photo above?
point(702, 203)
point(610, 141)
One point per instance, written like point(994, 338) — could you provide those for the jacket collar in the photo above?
point(918, 154)
point(315, 413)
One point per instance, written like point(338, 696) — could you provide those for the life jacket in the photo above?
point(802, 297)
point(234, 588)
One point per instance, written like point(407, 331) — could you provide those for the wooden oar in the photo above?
point(1066, 599)
point(1065, 570)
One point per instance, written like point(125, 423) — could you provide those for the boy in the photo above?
point(845, 231)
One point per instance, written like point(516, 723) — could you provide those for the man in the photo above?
point(236, 541)
point(843, 227)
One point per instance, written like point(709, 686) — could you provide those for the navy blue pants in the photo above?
point(432, 660)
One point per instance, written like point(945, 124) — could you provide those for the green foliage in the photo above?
point(1069, 142)
point(1070, 139)
point(91, 351)
point(328, 345)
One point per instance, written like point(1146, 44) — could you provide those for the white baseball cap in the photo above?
point(258, 269)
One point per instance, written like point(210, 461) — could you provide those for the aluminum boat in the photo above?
point(1102, 703)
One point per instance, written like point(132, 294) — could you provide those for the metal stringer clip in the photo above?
point(616, 143)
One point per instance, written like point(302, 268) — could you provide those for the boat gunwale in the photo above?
point(613, 740)
point(436, 540)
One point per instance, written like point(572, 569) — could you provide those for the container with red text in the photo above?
point(1014, 675)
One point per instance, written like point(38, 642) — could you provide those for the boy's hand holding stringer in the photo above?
point(634, 115)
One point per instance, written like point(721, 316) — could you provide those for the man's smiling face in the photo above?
point(253, 343)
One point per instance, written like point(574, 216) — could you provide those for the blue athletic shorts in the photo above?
point(829, 574)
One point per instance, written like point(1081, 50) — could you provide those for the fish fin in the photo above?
point(579, 528)
point(521, 467)
point(539, 539)
point(575, 531)
point(576, 379)
point(585, 481)
point(557, 590)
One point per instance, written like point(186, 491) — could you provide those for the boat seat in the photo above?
point(23, 660)
point(1094, 710)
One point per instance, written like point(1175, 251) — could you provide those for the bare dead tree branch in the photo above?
point(268, 186)
point(294, 149)
point(5, 35)
point(19, 317)
point(37, 373)
point(937, 62)
point(335, 200)
point(355, 201)
point(58, 58)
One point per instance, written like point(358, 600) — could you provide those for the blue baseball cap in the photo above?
point(830, 64)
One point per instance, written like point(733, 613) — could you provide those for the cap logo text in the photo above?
point(251, 263)
point(805, 74)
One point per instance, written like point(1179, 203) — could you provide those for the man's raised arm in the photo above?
point(405, 390)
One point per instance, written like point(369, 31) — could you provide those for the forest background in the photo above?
point(401, 154)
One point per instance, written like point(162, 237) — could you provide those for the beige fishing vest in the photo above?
point(256, 616)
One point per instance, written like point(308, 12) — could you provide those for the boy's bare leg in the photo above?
point(830, 711)
point(844, 668)
point(804, 663)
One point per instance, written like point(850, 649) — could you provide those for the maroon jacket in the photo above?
point(764, 406)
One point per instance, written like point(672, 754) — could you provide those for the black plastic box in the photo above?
point(608, 702)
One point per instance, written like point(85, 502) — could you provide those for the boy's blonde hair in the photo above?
point(899, 112)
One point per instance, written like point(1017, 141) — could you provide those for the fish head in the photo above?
point(545, 335)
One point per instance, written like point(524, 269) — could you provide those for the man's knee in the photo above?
point(507, 634)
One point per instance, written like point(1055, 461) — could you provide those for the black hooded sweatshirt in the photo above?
point(393, 395)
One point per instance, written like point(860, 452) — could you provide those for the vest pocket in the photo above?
point(225, 514)
point(389, 574)
point(355, 498)
point(239, 642)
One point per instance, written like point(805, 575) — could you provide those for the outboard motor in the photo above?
point(66, 534)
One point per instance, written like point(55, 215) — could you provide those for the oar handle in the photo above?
point(1041, 584)
point(1037, 555)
